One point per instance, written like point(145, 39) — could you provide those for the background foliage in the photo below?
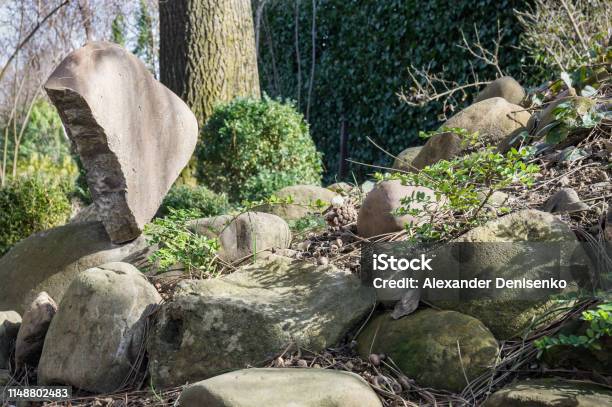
point(198, 198)
point(29, 205)
point(362, 51)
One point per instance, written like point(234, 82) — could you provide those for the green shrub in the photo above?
point(200, 199)
point(30, 205)
point(251, 148)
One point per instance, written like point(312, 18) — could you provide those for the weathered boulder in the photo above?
point(134, 136)
point(551, 393)
point(97, 336)
point(212, 326)
point(281, 387)
point(508, 314)
point(425, 346)
point(243, 235)
point(505, 87)
point(33, 330)
point(494, 119)
point(564, 200)
point(403, 161)
point(10, 321)
point(340, 188)
point(305, 199)
point(375, 215)
point(49, 260)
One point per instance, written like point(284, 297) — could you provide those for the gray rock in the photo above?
point(510, 314)
point(33, 330)
point(98, 334)
point(564, 200)
point(505, 87)
point(134, 136)
point(376, 213)
point(494, 119)
point(551, 393)
point(424, 346)
point(212, 326)
point(403, 161)
point(340, 188)
point(10, 321)
point(281, 387)
point(49, 260)
point(367, 186)
point(304, 198)
point(245, 234)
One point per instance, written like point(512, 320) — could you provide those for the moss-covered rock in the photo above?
point(212, 326)
point(425, 346)
point(509, 314)
point(551, 393)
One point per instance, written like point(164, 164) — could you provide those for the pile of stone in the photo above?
point(92, 320)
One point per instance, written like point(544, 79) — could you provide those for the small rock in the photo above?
point(564, 200)
point(131, 132)
point(305, 199)
point(245, 234)
point(95, 339)
point(34, 327)
point(340, 188)
point(323, 261)
point(281, 387)
point(10, 321)
point(551, 393)
point(424, 346)
point(505, 87)
point(403, 161)
point(367, 186)
point(376, 213)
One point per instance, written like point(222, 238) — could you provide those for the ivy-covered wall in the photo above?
point(363, 48)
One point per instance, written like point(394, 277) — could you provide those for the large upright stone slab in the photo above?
point(134, 136)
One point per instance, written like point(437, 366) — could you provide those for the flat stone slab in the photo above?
point(212, 326)
point(134, 136)
point(281, 387)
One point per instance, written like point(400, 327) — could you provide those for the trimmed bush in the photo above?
point(251, 148)
point(30, 205)
point(199, 198)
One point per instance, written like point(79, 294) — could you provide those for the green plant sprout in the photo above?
point(462, 187)
point(177, 244)
point(599, 325)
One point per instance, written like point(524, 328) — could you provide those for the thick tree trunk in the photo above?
point(207, 51)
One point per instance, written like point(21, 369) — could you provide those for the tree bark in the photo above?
point(207, 52)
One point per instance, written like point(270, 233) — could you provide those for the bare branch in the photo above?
point(29, 36)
